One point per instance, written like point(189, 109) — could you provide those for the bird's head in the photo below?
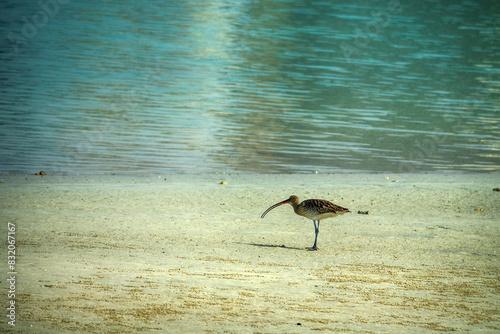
point(292, 200)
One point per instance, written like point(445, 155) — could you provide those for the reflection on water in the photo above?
point(264, 86)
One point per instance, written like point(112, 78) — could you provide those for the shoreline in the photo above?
point(184, 253)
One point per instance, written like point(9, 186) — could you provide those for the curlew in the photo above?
point(315, 209)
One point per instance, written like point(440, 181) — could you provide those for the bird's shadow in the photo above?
point(269, 246)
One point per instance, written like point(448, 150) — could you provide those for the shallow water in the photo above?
point(261, 86)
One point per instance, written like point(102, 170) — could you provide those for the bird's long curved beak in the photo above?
point(274, 206)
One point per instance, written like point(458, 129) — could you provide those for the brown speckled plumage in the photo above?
point(315, 209)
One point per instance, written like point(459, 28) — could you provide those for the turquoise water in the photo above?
point(258, 86)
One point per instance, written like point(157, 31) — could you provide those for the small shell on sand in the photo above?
point(41, 173)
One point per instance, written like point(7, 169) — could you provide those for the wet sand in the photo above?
point(186, 254)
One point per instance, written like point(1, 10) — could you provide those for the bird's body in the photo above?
point(315, 209)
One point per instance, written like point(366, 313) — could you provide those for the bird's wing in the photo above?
point(323, 206)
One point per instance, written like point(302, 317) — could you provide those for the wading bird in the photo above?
point(315, 209)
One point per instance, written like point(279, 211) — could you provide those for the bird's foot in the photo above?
point(314, 248)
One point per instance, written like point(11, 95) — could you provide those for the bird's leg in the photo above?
point(316, 231)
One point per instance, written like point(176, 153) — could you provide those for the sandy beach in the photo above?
point(186, 254)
